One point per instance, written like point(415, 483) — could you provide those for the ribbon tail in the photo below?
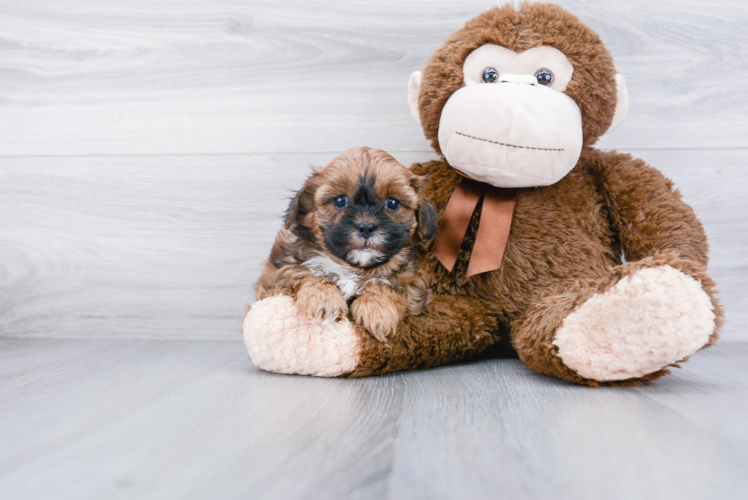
point(493, 230)
point(455, 221)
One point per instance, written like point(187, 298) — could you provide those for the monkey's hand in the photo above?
point(320, 301)
point(379, 309)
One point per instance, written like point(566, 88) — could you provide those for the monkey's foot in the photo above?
point(648, 320)
point(280, 340)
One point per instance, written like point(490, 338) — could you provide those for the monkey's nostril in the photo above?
point(366, 228)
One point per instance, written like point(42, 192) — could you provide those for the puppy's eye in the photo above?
point(544, 76)
point(392, 204)
point(490, 75)
point(340, 202)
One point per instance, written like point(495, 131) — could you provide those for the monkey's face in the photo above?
point(517, 112)
point(365, 208)
point(511, 125)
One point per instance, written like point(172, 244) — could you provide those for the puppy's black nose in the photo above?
point(366, 228)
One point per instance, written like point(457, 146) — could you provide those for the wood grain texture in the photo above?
point(150, 419)
point(705, 395)
point(169, 247)
point(196, 77)
point(116, 377)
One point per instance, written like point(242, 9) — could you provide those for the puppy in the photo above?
point(352, 237)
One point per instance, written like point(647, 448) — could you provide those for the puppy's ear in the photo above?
point(425, 213)
point(302, 201)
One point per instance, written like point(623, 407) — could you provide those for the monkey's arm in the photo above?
point(449, 329)
point(279, 339)
point(652, 221)
point(648, 213)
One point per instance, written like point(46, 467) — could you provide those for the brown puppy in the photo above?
point(351, 238)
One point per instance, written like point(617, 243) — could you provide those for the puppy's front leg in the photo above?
point(379, 309)
point(320, 300)
point(316, 298)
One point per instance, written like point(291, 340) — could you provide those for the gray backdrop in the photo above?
point(147, 147)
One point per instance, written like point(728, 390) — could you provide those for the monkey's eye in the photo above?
point(490, 75)
point(340, 202)
point(544, 76)
point(392, 204)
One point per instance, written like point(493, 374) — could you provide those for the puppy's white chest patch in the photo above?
point(346, 279)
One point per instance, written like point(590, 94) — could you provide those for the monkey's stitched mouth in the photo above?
point(506, 144)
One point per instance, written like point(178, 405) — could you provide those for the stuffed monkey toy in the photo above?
point(586, 262)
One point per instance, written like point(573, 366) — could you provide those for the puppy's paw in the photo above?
point(378, 313)
point(321, 302)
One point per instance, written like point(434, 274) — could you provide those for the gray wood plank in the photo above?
point(231, 433)
point(487, 429)
point(96, 382)
point(497, 430)
point(23, 362)
point(169, 247)
point(703, 392)
point(217, 77)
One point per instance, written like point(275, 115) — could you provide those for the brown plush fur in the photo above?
point(567, 240)
point(380, 305)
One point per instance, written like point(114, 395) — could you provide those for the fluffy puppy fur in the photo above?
point(352, 239)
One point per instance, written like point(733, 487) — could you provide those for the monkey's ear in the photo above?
point(302, 202)
point(414, 88)
point(622, 105)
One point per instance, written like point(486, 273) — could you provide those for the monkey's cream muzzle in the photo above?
point(514, 133)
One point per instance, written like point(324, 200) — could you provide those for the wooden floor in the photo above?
point(106, 419)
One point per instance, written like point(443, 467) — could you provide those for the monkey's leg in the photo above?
point(278, 339)
point(623, 329)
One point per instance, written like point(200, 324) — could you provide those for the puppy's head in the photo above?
point(362, 207)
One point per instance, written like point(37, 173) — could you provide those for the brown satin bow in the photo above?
point(493, 229)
